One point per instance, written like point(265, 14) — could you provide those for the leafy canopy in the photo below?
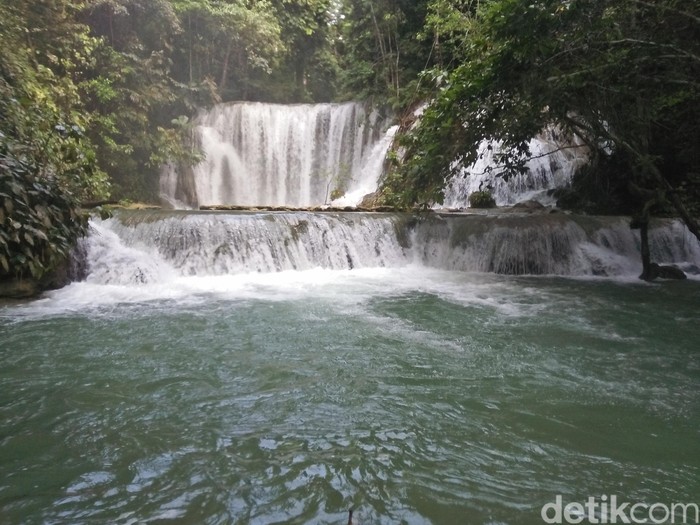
point(623, 74)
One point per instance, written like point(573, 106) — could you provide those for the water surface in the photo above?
point(411, 395)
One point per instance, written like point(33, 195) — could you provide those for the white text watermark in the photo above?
point(608, 509)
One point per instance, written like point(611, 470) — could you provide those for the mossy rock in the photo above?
point(19, 288)
point(481, 199)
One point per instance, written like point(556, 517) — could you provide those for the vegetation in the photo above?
point(95, 95)
point(621, 74)
point(383, 50)
point(46, 163)
point(39, 220)
point(481, 199)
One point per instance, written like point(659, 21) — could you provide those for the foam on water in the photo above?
point(344, 288)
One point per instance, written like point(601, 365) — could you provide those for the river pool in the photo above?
point(411, 395)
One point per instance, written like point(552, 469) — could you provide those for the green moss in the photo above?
point(481, 199)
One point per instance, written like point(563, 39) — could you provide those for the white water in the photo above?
point(553, 164)
point(550, 245)
point(305, 155)
point(283, 155)
point(191, 258)
point(228, 244)
point(157, 248)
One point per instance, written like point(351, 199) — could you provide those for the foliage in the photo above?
point(338, 182)
point(40, 103)
point(382, 54)
point(46, 162)
point(156, 64)
point(308, 65)
point(337, 193)
point(128, 90)
point(96, 95)
point(524, 65)
point(222, 47)
point(448, 24)
point(39, 220)
point(481, 199)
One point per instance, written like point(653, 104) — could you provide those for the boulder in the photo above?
point(19, 288)
point(657, 271)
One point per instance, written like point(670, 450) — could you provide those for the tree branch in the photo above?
point(671, 192)
point(668, 8)
point(655, 44)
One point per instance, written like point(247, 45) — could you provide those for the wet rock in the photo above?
point(19, 288)
point(529, 206)
point(658, 271)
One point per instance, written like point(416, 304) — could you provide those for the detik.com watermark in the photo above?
point(607, 509)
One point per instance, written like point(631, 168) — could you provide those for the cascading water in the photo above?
point(224, 244)
point(156, 247)
point(553, 164)
point(282, 155)
point(550, 245)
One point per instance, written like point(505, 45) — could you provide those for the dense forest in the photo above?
point(95, 95)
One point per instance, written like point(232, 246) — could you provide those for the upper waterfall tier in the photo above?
point(282, 155)
point(553, 163)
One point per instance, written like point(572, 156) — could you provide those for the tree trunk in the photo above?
point(224, 72)
point(646, 257)
point(382, 48)
point(111, 26)
point(672, 196)
point(688, 219)
point(300, 74)
point(189, 32)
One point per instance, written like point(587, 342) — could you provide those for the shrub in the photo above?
point(481, 199)
point(39, 221)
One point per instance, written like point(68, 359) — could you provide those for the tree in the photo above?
point(128, 90)
point(308, 66)
point(621, 74)
point(382, 51)
point(44, 49)
point(224, 44)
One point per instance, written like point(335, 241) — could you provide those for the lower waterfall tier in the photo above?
point(156, 246)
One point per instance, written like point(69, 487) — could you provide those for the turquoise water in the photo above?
point(410, 395)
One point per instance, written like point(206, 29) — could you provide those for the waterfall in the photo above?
point(282, 155)
point(152, 247)
point(309, 155)
point(553, 164)
point(222, 244)
point(538, 245)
